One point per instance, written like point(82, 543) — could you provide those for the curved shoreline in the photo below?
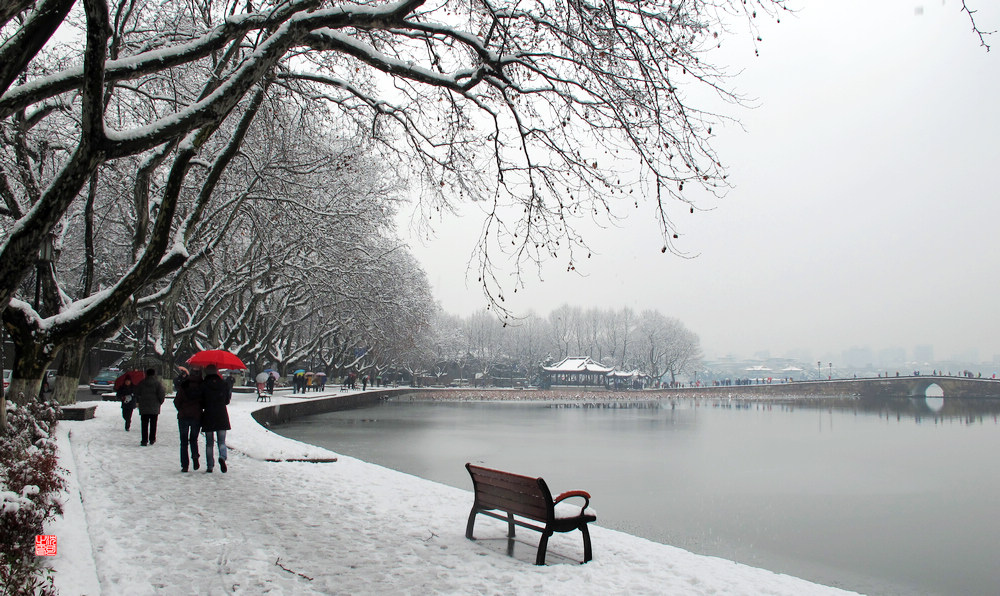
point(283, 412)
point(718, 396)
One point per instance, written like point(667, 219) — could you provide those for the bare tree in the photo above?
point(652, 342)
point(525, 342)
point(664, 345)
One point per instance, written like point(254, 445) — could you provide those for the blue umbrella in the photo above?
point(301, 370)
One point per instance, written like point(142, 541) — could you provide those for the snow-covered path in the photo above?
point(347, 527)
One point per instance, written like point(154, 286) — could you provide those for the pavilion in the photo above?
point(576, 371)
point(632, 379)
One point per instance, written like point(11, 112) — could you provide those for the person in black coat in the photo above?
point(149, 395)
point(188, 402)
point(125, 395)
point(215, 394)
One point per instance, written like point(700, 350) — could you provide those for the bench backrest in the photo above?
point(521, 495)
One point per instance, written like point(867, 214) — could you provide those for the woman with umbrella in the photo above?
point(261, 380)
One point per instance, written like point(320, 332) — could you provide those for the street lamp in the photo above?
point(819, 370)
point(831, 370)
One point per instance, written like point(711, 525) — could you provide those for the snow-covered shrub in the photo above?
point(30, 482)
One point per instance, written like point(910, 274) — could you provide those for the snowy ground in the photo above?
point(134, 524)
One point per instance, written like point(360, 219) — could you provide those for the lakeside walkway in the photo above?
point(134, 524)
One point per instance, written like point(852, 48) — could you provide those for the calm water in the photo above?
point(891, 499)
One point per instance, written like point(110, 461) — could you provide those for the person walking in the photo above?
point(149, 395)
point(270, 383)
point(126, 395)
point(216, 394)
point(188, 402)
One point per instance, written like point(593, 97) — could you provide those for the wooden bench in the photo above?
point(527, 498)
point(263, 395)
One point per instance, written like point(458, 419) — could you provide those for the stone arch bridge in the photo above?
point(917, 386)
point(906, 386)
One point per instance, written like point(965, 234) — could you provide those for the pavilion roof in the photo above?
point(634, 373)
point(578, 365)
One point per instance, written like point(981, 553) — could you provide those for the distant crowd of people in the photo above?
point(303, 382)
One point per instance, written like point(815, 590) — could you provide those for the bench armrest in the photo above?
point(574, 493)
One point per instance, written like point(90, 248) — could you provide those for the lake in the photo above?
point(889, 497)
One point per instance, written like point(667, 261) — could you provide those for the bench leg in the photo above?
point(510, 525)
point(543, 545)
point(472, 522)
point(587, 554)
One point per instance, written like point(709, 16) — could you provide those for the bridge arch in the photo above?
point(926, 388)
point(934, 390)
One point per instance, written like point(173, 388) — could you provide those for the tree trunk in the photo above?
point(30, 361)
point(68, 374)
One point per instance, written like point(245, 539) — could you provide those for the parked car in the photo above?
point(104, 380)
point(6, 378)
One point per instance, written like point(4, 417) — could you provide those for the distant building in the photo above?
point(632, 379)
point(858, 357)
point(923, 353)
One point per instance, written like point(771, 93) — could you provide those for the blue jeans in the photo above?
point(213, 436)
point(189, 439)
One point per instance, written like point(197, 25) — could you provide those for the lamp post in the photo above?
point(819, 370)
point(831, 370)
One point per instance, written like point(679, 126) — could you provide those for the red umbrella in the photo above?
point(220, 358)
point(134, 375)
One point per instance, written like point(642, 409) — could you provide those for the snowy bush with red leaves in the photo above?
point(30, 483)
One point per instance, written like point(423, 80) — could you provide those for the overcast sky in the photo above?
point(865, 210)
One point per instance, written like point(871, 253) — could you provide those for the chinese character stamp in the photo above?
point(45, 545)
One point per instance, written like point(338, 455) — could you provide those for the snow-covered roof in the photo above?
point(578, 365)
point(629, 373)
